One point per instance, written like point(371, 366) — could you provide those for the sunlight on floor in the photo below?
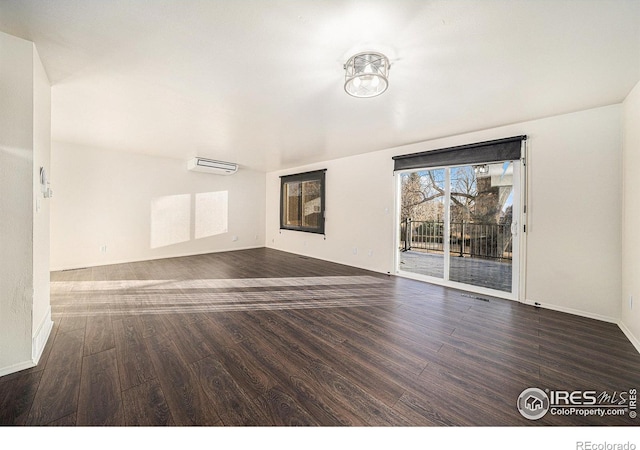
point(136, 297)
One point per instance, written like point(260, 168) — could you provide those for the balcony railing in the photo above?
point(466, 239)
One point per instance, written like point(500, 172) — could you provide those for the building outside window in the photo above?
point(302, 202)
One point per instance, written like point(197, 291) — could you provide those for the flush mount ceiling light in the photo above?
point(366, 74)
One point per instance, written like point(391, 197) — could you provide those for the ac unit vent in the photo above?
point(212, 166)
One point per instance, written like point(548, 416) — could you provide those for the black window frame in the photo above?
point(316, 175)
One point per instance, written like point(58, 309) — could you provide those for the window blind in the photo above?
point(507, 149)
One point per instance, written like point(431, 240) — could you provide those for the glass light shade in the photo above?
point(366, 74)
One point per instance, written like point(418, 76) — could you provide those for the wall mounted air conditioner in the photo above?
point(212, 166)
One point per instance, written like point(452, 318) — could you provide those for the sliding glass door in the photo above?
point(458, 226)
point(422, 225)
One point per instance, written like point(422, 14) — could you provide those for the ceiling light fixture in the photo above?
point(366, 74)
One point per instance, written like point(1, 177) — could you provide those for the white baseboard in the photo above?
point(40, 337)
point(16, 367)
point(575, 312)
point(331, 260)
point(125, 261)
point(634, 340)
point(38, 342)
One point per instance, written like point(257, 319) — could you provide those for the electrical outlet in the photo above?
point(370, 252)
point(103, 248)
point(355, 250)
point(234, 239)
point(631, 302)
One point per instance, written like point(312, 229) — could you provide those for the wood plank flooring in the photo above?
point(263, 338)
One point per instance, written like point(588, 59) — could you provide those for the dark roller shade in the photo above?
point(506, 149)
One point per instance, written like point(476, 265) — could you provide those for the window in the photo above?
point(302, 202)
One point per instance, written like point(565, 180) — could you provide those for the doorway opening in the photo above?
point(458, 226)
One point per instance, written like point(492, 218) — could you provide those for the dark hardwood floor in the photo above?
point(261, 337)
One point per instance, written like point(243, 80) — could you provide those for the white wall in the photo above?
point(359, 213)
point(24, 294)
point(631, 216)
point(574, 244)
point(574, 238)
point(41, 320)
point(16, 162)
point(142, 207)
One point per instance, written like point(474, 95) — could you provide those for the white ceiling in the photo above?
point(260, 82)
